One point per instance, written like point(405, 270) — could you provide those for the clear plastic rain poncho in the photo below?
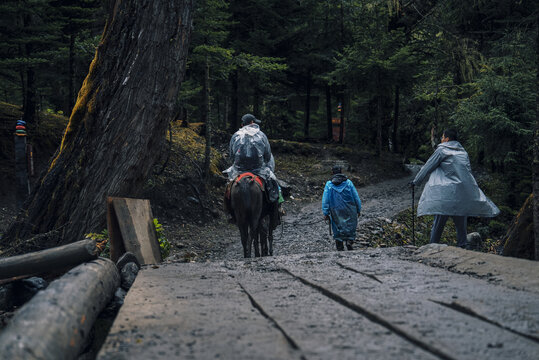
point(451, 188)
point(342, 203)
point(251, 151)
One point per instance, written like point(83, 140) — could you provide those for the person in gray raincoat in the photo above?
point(451, 190)
point(250, 151)
point(341, 205)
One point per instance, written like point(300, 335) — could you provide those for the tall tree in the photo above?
point(75, 17)
point(118, 124)
point(536, 147)
point(29, 35)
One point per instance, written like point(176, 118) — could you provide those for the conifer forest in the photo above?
point(385, 76)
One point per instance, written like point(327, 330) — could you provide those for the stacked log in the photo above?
point(47, 260)
point(56, 322)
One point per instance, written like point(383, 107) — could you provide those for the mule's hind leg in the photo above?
point(270, 241)
point(254, 236)
point(263, 234)
point(245, 241)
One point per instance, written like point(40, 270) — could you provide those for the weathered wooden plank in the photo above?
point(407, 307)
point(135, 222)
point(48, 260)
point(478, 298)
point(323, 328)
point(55, 323)
point(326, 305)
point(192, 312)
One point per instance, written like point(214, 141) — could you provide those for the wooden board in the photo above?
point(340, 305)
point(131, 228)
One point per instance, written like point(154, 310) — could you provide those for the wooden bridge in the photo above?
point(435, 303)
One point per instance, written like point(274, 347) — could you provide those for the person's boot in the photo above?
point(340, 245)
point(349, 244)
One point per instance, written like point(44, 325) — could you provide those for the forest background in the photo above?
point(395, 73)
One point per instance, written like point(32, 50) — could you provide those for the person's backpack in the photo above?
point(249, 156)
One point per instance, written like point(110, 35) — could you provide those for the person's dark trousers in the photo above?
point(438, 228)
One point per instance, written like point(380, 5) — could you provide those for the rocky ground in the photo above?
point(303, 229)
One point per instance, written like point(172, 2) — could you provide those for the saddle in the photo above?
point(250, 175)
point(253, 177)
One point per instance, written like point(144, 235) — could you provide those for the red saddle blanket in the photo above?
point(253, 177)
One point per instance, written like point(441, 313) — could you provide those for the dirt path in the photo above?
point(303, 229)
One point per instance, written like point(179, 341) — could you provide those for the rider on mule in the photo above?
point(251, 152)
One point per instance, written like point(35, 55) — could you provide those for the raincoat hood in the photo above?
point(451, 188)
point(338, 179)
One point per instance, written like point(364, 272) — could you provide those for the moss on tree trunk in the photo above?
point(118, 123)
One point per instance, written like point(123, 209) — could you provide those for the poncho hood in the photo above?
point(338, 179)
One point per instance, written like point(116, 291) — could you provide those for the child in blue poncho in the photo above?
point(342, 206)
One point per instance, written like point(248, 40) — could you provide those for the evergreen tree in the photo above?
point(29, 35)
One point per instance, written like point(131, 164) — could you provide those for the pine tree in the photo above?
point(29, 35)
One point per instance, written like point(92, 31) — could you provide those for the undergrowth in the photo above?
point(103, 242)
point(399, 232)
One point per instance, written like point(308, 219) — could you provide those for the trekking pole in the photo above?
point(413, 215)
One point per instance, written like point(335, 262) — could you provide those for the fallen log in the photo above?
point(48, 260)
point(56, 322)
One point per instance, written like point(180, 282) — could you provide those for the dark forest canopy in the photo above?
point(401, 71)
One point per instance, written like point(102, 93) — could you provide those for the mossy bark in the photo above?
point(118, 123)
point(519, 240)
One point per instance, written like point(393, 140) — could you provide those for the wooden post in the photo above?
point(131, 228)
point(56, 322)
point(21, 173)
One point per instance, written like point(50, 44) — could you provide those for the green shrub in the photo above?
point(497, 228)
point(164, 244)
point(102, 237)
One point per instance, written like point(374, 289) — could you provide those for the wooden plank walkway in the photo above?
point(374, 304)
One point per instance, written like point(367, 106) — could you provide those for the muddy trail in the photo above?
point(303, 229)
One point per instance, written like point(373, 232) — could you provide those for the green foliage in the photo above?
point(497, 118)
point(101, 238)
point(36, 36)
point(164, 245)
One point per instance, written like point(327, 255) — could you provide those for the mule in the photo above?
point(247, 202)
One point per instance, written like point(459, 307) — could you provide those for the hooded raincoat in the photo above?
point(341, 202)
point(251, 151)
point(451, 188)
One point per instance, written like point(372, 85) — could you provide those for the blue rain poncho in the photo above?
point(451, 188)
point(250, 150)
point(341, 202)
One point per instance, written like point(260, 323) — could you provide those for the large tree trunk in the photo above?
point(519, 241)
point(394, 135)
point(307, 107)
point(30, 97)
point(328, 113)
point(234, 122)
point(206, 111)
point(536, 152)
point(118, 123)
point(71, 76)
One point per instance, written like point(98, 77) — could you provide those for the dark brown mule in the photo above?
point(247, 202)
